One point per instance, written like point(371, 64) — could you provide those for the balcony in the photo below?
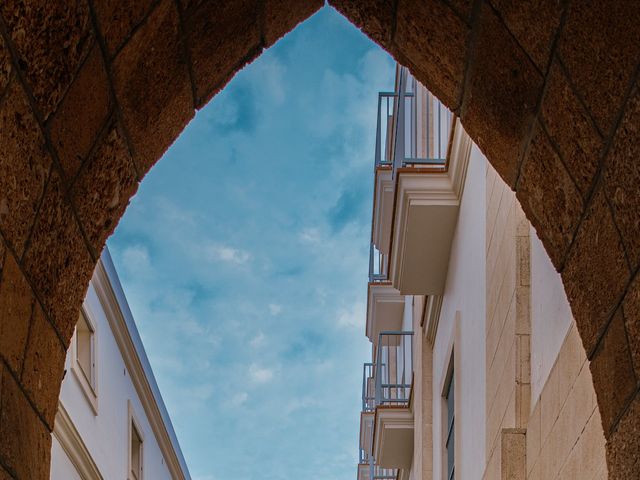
point(368, 409)
point(385, 309)
point(368, 470)
point(421, 159)
point(393, 423)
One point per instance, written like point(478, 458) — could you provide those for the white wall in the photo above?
point(61, 466)
point(465, 293)
point(550, 316)
point(106, 434)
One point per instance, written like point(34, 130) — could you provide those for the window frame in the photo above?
point(449, 420)
point(88, 382)
point(134, 424)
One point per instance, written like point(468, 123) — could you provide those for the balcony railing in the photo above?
point(378, 265)
point(413, 126)
point(394, 368)
point(379, 473)
point(368, 388)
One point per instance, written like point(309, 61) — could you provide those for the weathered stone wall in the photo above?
point(92, 93)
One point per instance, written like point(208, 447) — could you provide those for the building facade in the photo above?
point(477, 369)
point(111, 421)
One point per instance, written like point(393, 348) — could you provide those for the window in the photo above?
point(83, 354)
point(85, 349)
point(449, 442)
point(136, 442)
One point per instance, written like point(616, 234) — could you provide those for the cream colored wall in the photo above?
point(564, 437)
point(550, 315)
point(461, 328)
point(508, 322)
point(542, 418)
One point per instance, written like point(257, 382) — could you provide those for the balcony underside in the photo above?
point(366, 431)
point(363, 471)
point(393, 437)
point(382, 209)
point(385, 309)
point(427, 202)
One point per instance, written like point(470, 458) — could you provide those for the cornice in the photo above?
point(137, 364)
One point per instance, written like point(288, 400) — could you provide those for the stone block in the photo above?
point(433, 38)
point(596, 272)
point(501, 97)
point(215, 58)
point(281, 16)
point(57, 261)
point(571, 358)
point(591, 447)
point(534, 24)
point(623, 444)
point(16, 304)
point(81, 115)
point(533, 437)
point(152, 85)
point(613, 374)
point(375, 18)
point(513, 463)
point(25, 163)
point(599, 45)
point(104, 187)
point(118, 18)
point(622, 176)
point(550, 405)
point(571, 129)
point(631, 310)
point(43, 367)
point(6, 66)
point(51, 40)
point(3, 251)
point(25, 449)
point(4, 475)
point(549, 197)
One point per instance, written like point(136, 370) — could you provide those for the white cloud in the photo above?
point(353, 316)
point(258, 340)
point(136, 259)
point(227, 254)
point(275, 309)
point(259, 374)
point(239, 399)
point(311, 236)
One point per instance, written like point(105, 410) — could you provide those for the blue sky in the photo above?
point(244, 258)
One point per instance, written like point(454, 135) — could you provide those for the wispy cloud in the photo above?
point(352, 317)
point(227, 254)
point(258, 340)
point(275, 309)
point(258, 374)
point(244, 258)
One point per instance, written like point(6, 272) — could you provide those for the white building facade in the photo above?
point(111, 421)
point(477, 370)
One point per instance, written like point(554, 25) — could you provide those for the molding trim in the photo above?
point(432, 317)
point(71, 441)
point(400, 421)
point(135, 359)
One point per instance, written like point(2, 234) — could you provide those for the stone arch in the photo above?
point(93, 92)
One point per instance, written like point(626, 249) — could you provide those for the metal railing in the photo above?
point(376, 472)
point(368, 388)
point(413, 126)
point(378, 265)
point(380, 473)
point(394, 368)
